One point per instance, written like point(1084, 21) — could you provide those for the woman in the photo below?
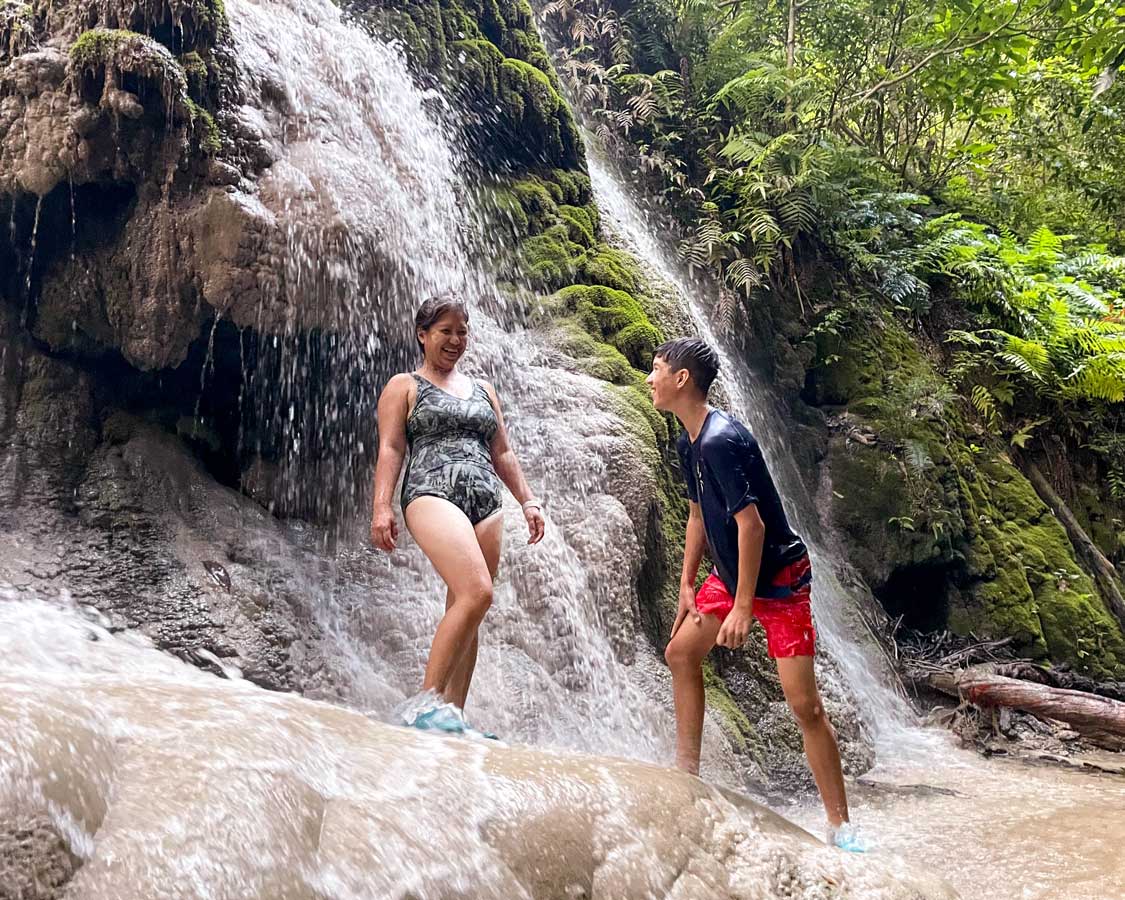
point(451, 495)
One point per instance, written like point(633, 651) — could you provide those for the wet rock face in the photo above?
point(110, 511)
point(105, 134)
point(35, 863)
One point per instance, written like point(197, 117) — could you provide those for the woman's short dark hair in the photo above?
point(697, 356)
point(434, 308)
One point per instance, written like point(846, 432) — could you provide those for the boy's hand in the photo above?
point(686, 608)
point(735, 628)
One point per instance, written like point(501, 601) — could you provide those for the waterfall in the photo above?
point(366, 176)
point(860, 672)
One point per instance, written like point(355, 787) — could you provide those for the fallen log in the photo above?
point(1100, 720)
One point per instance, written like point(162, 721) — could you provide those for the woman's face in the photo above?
point(444, 342)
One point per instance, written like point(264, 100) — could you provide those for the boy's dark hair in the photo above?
point(436, 307)
point(697, 356)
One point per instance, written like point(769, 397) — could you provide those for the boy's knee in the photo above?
point(681, 655)
point(808, 710)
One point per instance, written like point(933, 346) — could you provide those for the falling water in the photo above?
point(366, 182)
point(836, 606)
point(995, 830)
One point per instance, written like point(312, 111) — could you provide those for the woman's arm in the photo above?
point(511, 473)
point(394, 406)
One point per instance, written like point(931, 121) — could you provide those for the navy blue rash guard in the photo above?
point(725, 472)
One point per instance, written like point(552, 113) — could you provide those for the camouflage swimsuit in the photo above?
point(449, 450)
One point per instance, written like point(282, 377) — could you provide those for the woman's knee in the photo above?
point(475, 598)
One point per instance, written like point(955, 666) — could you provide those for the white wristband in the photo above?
point(538, 504)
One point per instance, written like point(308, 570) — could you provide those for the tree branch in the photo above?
point(945, 49)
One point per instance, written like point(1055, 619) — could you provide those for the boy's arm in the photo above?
point(751, 538)
point(695, 540)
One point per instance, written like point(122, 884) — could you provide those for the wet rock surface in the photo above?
point(177, 785)
point(35, 863)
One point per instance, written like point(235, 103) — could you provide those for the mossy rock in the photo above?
point(613, 316)
point(538, 204)
point(736, 724)
point(611, 267)
point(593, 357)
point(575, 190)
point(126, 51)
point(579, 223)
point(551, 258)
point(197, 74)
point(204, 130)
point(1032, 587)
point(490, 54)
point(919, 498)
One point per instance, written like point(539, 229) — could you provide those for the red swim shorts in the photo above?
point(786, 616)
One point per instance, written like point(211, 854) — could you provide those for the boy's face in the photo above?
point(665, 383)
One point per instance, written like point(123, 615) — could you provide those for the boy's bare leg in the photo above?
point(685, 654)
point(798, 681)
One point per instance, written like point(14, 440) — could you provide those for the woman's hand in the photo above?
point(536, 524)
point(384, 528)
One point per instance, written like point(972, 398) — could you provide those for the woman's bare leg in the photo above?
point(490, 534)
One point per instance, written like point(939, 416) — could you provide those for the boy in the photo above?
point(761, 571)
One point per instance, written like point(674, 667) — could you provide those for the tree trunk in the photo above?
point(791, 35)
point(1099, 719)
point(1102, 569)
point(791, 59)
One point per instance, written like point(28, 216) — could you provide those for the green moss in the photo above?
point(506, 207)
point(632, 403)
point(575, 189)
point(204, 129)
point(920, 498)
point(99, 46)
point(593, 357)
point(735, 723)
point(615, 317)
point(1061, 615)
point(638, 342)
point(127, 51)
point(537, 203)
point(479, 62)
point(534, 113)
point(212, 12)
point(549, 259)
point(194, 67)
point(578, 223)
point(612, 267)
